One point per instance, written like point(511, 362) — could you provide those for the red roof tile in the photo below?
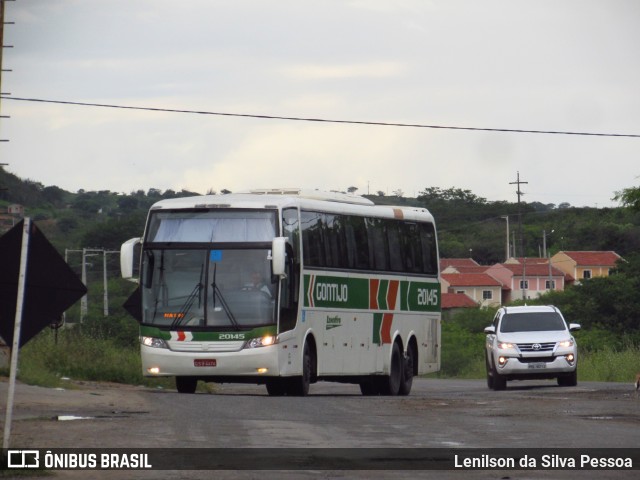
point(594, 259)
point(470, 280)
point(457, 262)
point(457, 300)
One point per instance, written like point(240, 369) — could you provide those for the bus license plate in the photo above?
point(204, 362)
point(537, 366)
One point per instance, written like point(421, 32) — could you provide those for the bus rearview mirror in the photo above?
point(278, 256)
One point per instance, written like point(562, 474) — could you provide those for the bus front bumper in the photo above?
point(250, 362)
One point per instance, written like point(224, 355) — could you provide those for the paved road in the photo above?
point(437, 414)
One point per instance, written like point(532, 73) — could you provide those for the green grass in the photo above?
point(47, 359)
point(608, 365)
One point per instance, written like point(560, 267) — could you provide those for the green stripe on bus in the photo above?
point(353, 293)
point(382, 294)
point(199, 336)
point(377, 324)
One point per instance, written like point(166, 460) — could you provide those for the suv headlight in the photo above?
point(260, 342)
point(506, 345)
point(566, 343)
point(153, 342)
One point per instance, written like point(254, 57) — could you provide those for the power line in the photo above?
point(322, 120)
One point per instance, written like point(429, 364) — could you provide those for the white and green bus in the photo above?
point(285, 288)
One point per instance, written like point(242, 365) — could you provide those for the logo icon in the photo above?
point(23, 459)
point(536, 346)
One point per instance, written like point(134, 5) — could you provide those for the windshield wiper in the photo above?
point(186, 307)
point(223, 302)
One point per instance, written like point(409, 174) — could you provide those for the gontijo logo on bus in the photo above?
point(371, 294)
point(332, 292)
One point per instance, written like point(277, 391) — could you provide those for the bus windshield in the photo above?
point(216, 288)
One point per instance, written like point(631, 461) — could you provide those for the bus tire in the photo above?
point(299, 386)
point(390, 384)
point(276, 387)
point(369, 387)
point(186, 384)
point(407, 370)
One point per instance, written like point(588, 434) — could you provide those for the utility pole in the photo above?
point(507, 249)
point(519, 192)
point(104, 279)
point(2, 47)
point(84, 301)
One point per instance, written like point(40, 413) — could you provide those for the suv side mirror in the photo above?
point(574, 326)
point(491, 329)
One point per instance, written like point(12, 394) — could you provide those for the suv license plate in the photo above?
point(204, 362)
point(537, 366)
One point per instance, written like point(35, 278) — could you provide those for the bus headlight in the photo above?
point(153, 342)
point(260, 342)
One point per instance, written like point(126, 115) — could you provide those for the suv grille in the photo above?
point(537, 347)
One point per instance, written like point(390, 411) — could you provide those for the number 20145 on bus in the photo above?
point(428, 296)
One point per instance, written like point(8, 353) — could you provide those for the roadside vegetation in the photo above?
point(105, 348)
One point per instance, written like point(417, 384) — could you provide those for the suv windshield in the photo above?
point(532, 322)
point(222, 288)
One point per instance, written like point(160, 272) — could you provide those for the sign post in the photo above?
point(22, 277)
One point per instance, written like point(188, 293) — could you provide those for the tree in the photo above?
point(629, 197)
point(352, 189)
point(128, 203)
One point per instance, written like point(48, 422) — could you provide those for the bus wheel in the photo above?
point(186, 384)
point(299, 386)
point(369, 387)
point(407, 371)
point(390, 385)
point(276, 387)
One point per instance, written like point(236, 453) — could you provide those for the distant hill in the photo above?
point(468, 225)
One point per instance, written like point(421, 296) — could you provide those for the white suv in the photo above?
point(530, 343)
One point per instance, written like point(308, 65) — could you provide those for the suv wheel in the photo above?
point(489, 372)
point(499, 382)
point(568, 380)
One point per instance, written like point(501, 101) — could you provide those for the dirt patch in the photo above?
point(40, 413)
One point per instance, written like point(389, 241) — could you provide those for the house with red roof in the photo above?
point(457, 262)
point(483, 289)
point(581, 265)
point(453, 303)
point(526, 280)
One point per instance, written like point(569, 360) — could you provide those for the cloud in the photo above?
point(345, 71)
point(299, 155)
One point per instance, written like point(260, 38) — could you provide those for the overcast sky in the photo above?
point(571, 65)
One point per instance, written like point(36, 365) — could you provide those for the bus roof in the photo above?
point(316, 200)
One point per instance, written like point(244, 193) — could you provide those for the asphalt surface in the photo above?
point(439, 414)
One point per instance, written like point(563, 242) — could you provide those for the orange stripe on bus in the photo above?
point(374, 284)
point(385, 330)
point(392, 294)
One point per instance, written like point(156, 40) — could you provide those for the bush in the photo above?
point(462, 351)
point(70, 353)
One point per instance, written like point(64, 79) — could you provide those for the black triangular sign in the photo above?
point(133, 304)
point(51, 286)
